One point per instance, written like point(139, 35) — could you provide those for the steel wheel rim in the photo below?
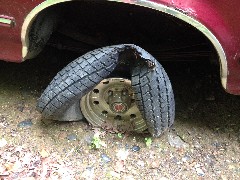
point(100, 110)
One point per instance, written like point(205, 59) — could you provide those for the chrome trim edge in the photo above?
point(5, 21)
point(144, 3)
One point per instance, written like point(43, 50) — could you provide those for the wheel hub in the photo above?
point(118, 107)
point(111, 104)
point(119, 99)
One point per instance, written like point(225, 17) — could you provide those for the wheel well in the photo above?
point(41, 30)
point(97, 24)
point(85, 25)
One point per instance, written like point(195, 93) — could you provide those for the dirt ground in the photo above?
point(203, 144)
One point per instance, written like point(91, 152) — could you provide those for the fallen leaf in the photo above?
point(44, 153)
point(3, 142)
point(9, 166)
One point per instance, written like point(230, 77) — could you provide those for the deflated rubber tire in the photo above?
point(77, 79)
point(153, 95)
point(153, 90)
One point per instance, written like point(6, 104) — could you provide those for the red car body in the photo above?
point(217, 20)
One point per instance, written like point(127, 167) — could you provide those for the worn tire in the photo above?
point(153, 91)
point(154, 95)
point(77, 79)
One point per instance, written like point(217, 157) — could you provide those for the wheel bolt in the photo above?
point(124, 92)
point(110, 93)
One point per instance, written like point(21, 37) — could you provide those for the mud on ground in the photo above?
point(203, 144)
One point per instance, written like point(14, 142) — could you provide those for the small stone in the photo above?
point(174, 160)
point(122, 154)
point(186, 158)
point(199, 170)
point(197, 145)
point(140, 163)
point(129, 168)
point(135, 148)
point(3, 142)
point(88, 173)
point(176, 141)
point(72, 137)
point(20, 107)
point(154, 164)
point(88, 138)
point(217, 144)
point(44, 153)
point(105, 158)
point(25, 123)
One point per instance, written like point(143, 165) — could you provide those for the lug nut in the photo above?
point(110, 93)
point(124, 92)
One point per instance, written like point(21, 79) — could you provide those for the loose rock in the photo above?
point(105, 158)
point(88, 138)
point(186, 158)
point(135, 148)
point(72, 137)
point(88, 173)
point(199, 170)
point(25, 123)
point(176, 141)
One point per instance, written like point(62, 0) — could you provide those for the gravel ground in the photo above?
point(203, 144)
